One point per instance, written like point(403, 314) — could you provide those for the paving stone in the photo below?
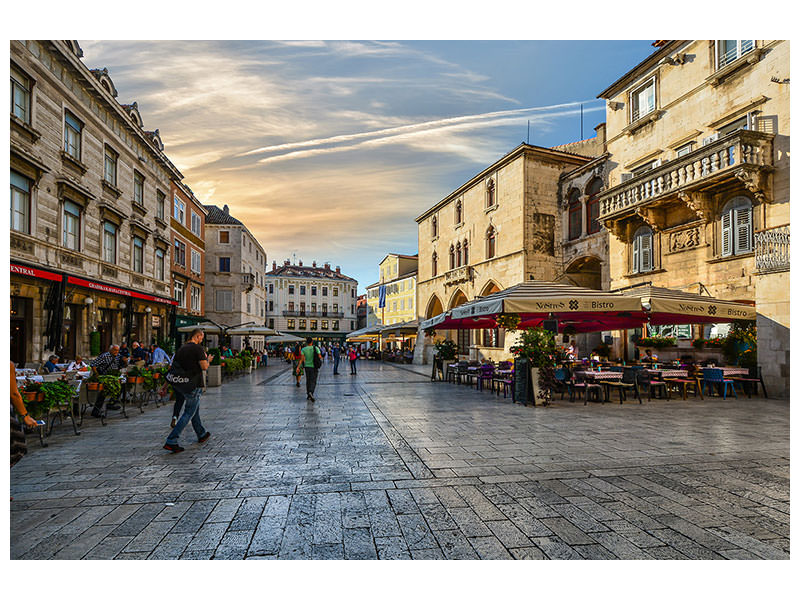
point(489, 548)
point(555, 549)
point(171, 546)
point(416, 532)
point(568, 532)
point(594, 552)
point(469, 523)
point(359, 544)
point(392, 548)
point(108, 548)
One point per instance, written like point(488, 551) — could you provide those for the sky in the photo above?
point(328, 150)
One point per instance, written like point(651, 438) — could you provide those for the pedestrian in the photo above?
point(112, 360)
point(311, 366)
point(322, 352)
point(264, 357)
point(186, 378)
point(336, 352)
point(353, 356)
point(296, 358)
point(138, 354)
point(18, 446)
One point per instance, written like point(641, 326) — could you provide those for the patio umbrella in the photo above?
point(250, 330)
point(206, 327)
point(283, 338)
point(365, 332)
point(674, 307)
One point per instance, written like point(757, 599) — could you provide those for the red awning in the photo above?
point(38, 273)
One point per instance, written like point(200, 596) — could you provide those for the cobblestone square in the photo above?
point(387, 465)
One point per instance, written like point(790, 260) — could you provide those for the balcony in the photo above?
point(248, 281)
point(458, 275)
point(772, 249)
point(741, 155)
point(314, 314)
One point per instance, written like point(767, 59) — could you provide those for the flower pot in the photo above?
point(94, 386)
point(214, 378)
point(34, 396)
point(156, 375)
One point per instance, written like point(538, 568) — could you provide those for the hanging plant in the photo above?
point(508, 321)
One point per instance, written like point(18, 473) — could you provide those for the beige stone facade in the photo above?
point(86, 182)
point(698, 174)
point(507, 216)
point(187, 223)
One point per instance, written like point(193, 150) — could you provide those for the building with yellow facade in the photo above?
point(398, 276)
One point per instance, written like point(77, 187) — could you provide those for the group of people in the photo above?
point(137, 353)
point(302, 358)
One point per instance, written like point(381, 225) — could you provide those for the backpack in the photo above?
point(317, 358)
point(181, 381)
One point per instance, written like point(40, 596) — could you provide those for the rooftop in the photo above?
point(299, 270)
point(220, 216)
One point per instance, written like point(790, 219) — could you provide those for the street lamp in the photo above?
point(148, 309)
point(88, 301)
point(122, 306)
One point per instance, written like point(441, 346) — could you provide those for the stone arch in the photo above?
point(457, 299)
point(586, 271)
point(490, 288)
point(434, 307)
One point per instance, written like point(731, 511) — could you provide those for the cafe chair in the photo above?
point(652, 383)
point(716, 378)
point(628, 382)
point(751, 381)
point(586, 387)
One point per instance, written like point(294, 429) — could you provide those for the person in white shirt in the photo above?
point(78, 365)
point(572, 351)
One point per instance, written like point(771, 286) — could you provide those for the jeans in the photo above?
point(353, 367)
point(176, 408)
point(191, 412)
point(311, 379)
point(335, 364)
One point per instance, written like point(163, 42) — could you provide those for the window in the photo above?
point(643, 100)
point(491, 338)
point(729, 50)
point(324, 291)
point(593, 206)
point(313, 307)
point(159, 264)
point(313, 290)
point(291, 289)
point(195, 261)
point(289, 323)
point(302, 323)
point(72, 135)
point(271, 306)
point(491, 242)
point(109, 242)
point(313, 325)
point(335, 291)
point(336, 308)
point(353, 293)
point(452, 257)
point(458, 254)
point(180, 253)
point(741, 123)
point(574, 210)
point(352, 325)
point(324, 309)
point(138, 254)
point(179, 293)
point(434, 227)
point(737, 226)
point(224, 300)
point(271, 323)
point(20, 203)
point(179, 211)
point(161, 199)
point(291, 306)
point(224, 237)
point(325, 324)
point(459, 212)
point(72, 226)
point(434, 258)
point(110, 166)
point(20, 95)
point(197, 224)
point(642, 251)
point(224, 264)
point(271, 289)
point(138, 188)
point(465, 250)
point(302, 290)
point(490, 196)
point(685, 149)
point(195, 299)
point(335, 325)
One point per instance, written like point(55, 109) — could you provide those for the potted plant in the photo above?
point(93, 382)
point(110, 385)
point(57, 394)
point(33, 391)
point(699, 343)
point(214, 376)
point(445, 350)
point(134, 375)
point(535, 350)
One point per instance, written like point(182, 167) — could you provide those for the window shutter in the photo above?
point(635, 259)
point(744, 228)
point(647, 252)
point(727, 233)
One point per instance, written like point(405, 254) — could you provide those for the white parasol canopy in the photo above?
point(251, 330)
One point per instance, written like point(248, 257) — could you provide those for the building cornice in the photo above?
point(642, 68)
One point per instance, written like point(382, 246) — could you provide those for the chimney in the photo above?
point(314, 264)
point(327, 266)
point(286, 263)
point(274, 265)
point(299, 263)
point(225, 210)
point(338, 270)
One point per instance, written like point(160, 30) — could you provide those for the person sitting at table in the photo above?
point(77, 365)
point(649, 357)
point(572, 351)
point(138, 353)
point(51, 365)
point(107, 361)
point(158, 356)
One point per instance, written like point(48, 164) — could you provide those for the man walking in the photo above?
point(308, 353)
point(107, 361)
point(186, 377)
point(336, 356)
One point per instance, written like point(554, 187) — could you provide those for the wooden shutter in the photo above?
point(635, 254)
point(646, 251)
point(727, 233)
point(744, 229)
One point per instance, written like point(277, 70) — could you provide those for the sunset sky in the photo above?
point(328, 151)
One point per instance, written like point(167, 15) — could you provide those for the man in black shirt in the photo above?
point(186, 377)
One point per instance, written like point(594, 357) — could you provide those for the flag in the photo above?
point(382, 296)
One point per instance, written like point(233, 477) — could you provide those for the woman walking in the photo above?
point(297, 358)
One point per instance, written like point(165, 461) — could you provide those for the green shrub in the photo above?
point(537, 345)
point(446, 349)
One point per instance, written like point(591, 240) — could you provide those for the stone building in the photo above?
point(234, 274)
point(316, 302)
point(697, 193)
point(89, 244)
point(361, 311)
point(398, 273)
point(187, 240)
point(496, 230)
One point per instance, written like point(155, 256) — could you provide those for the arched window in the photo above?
point(434, 259)
point(466, 254)
point(642, 250)
point(574, 214)
point(490, 193)
point(452, 257)
point(434, 227)
point(737, 226)
point(491, 242)
point(458, 254)
point(593, 206)
point(459, 212)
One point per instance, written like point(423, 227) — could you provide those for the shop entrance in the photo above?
point(70, 332)
point(20, 317)
point(105, 325)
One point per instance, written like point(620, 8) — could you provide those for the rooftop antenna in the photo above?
point(581, 122)
point(529, 132)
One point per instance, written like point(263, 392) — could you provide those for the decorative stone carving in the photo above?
point(684, 240)
point(618, 229)
point(754, 181)
point(69, 259)
point(699, 203)
point(654, 217)
point(109, 271)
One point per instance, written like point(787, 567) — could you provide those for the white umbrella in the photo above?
point(284, 338)
point(205, 327)
point(251, 330)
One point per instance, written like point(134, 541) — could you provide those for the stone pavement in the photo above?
point(388, 465)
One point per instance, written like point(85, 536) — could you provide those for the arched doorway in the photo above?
point(462, 335)
point(491, 338)
point(434, 307)
point(586, 271)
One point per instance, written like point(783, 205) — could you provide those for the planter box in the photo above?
point(135, 380)
point(674, 353)
point(94, 386)
point(34, 396)
point(214, 376)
